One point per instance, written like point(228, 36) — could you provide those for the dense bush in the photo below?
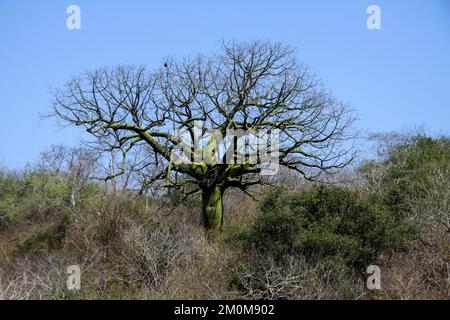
point(322, 222)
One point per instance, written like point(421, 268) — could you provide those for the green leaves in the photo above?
point(325, 221)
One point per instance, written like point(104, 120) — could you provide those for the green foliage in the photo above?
point(39, 194)
point(416, 156)
point(50, 238)
point(324, 222)
point(406, 171)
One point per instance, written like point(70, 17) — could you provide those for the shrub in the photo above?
point(324, 222)
point(406, 170)
point(37, 195)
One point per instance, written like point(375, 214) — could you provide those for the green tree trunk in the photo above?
point(212, 208)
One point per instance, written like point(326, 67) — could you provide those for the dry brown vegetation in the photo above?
point(137, 247)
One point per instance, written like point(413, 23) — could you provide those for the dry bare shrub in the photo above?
point(37, 277)
point(267, 279)
point(421, 273)
point(155, 257)
point(178, 262)
point(424, 272)
point(154, 249)
point(295, 278)
point(430, 204)
point(241, 208)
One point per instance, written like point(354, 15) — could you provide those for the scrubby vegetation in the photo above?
point(313, 242)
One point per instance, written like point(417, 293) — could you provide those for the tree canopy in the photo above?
point(244, 88)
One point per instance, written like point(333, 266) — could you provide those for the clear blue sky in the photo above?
point(396, 78)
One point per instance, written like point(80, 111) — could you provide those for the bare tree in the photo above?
point(245, 87)
point(76, 166)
